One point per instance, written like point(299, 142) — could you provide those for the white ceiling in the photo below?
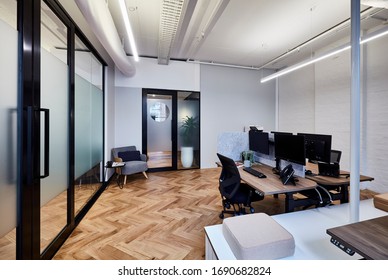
point(246, 32)
point(251, 33)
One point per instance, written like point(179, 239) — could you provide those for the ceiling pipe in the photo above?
point(96, 13)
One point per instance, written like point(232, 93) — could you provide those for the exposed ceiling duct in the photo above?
point(97, 14)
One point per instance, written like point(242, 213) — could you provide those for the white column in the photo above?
point(354, 198)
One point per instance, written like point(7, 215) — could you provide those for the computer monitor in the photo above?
point(281, 132)
point(318, 147)
point(259, 142)
point(290, 147)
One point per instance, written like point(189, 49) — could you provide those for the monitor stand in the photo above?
point(276, 170)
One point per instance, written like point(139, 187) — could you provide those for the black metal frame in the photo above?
point(174, 123)
point(174, 128)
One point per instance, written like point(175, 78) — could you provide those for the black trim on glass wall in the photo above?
point(58, 241)
point(72, 219)
point(29, 79)
point(28, 203)
point(174, 141)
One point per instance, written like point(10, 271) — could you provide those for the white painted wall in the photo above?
point(331, 107)
point(230, 100)
point(128, 117)
point(176, 75)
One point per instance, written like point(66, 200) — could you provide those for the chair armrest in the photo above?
point(117, 159)
point(143, 157)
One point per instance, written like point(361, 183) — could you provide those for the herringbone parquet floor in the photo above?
point(162, 217)
point(159, 218)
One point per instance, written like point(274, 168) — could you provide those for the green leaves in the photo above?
point(188, 129)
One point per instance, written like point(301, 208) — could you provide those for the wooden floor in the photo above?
point(159, 218)
point(162, 217)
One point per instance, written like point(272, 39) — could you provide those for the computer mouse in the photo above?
point(308, 172)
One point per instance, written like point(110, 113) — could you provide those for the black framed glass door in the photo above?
point(171, 129)
point(159, 128)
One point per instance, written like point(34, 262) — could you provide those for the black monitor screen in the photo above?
point(318, 147)
point(281, 132)
point(290, 148)
point(258, 141)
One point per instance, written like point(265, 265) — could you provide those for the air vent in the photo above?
point(170, 18)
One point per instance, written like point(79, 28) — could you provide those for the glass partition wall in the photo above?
point(54, 99)
point(88, 124)
point(51, 128)
point(8, 130)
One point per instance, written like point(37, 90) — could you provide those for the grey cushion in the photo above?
point(129, 155)
point(257, 237)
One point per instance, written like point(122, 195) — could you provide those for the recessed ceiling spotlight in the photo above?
point(132, 9)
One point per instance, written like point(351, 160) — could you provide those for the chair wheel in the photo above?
point(252, 210)
point(221, 215)
point(227, 205)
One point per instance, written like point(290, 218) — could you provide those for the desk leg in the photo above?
point(344, 194)
point(290, 203)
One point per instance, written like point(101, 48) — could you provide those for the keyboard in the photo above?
point(254, 172)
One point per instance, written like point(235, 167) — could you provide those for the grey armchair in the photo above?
point(135, 162)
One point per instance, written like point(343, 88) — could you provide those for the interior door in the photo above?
point(54, 115)
point(159, 129)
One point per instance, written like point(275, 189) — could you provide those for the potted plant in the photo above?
point(188, 131)
point(247, 157)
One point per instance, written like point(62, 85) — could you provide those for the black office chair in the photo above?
point(335, 156)
point(234, 193)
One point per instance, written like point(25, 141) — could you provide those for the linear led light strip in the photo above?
point(367, 38)
point(128, 28)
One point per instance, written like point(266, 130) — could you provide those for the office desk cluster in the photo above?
point(349, 237)
point(272, 185)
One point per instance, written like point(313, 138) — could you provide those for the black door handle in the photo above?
point(46, 142)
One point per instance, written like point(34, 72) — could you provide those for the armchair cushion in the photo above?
point(129, 155)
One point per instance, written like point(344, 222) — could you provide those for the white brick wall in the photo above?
point(326, 93)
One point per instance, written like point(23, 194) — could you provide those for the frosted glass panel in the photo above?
point(55, 98)
point(8, 130)
point(83, 127)
point(88, 124)
point(97, 125)
point(54, 94)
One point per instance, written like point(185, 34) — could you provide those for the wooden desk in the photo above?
point(342, 182)
point(272, 185)
point(368, 238)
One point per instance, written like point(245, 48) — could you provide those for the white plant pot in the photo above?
point(187, 155)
